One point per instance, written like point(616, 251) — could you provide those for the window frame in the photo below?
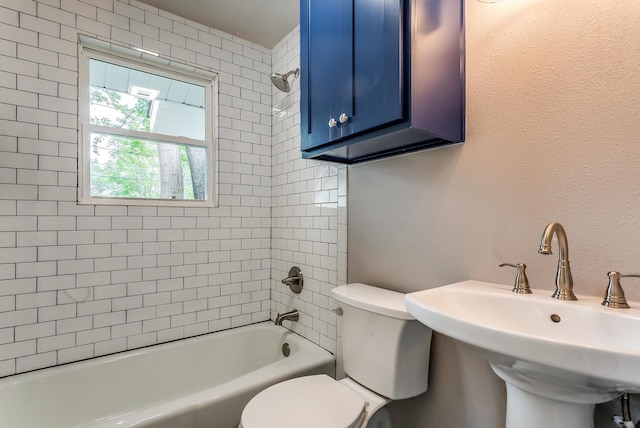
point(130, 59)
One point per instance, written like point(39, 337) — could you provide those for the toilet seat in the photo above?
point(311, 402)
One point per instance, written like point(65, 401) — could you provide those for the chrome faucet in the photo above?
point(293, 315)
point(614, 298)
point(564, 281)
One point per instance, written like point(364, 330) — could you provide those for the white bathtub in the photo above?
point(200, 382)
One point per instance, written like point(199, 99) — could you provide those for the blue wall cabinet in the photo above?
point(380, 77)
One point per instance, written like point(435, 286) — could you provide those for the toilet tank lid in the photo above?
point(373, 299)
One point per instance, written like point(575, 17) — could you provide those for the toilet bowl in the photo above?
point(386, 357)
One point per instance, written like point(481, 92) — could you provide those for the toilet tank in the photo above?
point(384, 347)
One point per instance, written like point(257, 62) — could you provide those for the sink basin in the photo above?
point(558, 358)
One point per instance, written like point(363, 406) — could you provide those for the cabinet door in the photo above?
point(320, 39)
point(371, 68)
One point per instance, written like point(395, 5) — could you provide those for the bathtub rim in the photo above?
point(310, 358)
point(128, 353)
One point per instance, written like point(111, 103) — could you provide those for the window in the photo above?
point(146, 133)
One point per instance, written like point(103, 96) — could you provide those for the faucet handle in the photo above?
point(521, 284)
point(295, 280)
point(614, 297)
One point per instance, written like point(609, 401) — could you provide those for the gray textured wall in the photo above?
point(552, 111)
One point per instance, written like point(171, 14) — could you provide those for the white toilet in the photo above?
point(386, 357)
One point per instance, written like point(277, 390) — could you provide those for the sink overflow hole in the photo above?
point(555, 318)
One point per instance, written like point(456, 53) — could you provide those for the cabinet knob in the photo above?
point(332, 123)
point(343, 118)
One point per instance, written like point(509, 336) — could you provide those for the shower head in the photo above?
point(280, 80)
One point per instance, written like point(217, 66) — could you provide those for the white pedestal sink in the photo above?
point(558, 358)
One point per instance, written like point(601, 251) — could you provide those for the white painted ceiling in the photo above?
point(264, 22)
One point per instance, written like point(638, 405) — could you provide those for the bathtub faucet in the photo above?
point(293, 315)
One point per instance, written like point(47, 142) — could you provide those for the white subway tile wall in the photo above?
point(308, 214)
point(78, 282)
point(81, 281)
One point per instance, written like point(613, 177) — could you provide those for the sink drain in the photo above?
point(286, 349)
point(556, 318)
